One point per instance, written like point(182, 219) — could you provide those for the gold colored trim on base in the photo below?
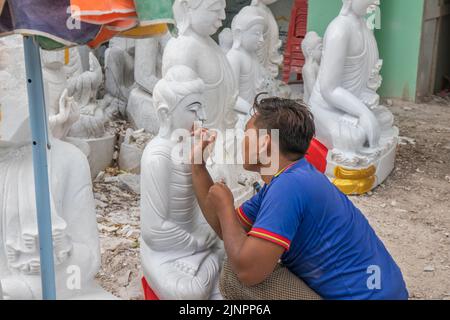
point(351, 181)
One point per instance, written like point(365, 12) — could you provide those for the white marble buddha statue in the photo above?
point(248, 31)
point(84, 89)
point(74, 226)
point(312, 51)
point(349, 119)
point(64, 110)
point(181, 255)
point(147, 72)
point(269, 53)
point(119, 72)
point(196, 21)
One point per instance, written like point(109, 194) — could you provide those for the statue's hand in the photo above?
point(68, 110)
point(11, 254)
point(205, 236)
point(35, 267)
point(68, 114)
point(370, 124)
point(29, 241)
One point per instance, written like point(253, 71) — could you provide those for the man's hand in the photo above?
point(220, 198)
point(203, 141)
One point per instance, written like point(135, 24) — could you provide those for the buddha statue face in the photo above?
point(253, 38)
point(204, 17)
point(248, 29)
point(179, 101)
point(312, 46)
point(360, 7)
point(190, 109)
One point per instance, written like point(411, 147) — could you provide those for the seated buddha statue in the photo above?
point(181, 255)
point(74, 226)
point(349, 119)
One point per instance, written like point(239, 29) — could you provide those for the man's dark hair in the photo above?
point(293, 119)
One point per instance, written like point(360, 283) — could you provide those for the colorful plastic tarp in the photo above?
point(64, 23)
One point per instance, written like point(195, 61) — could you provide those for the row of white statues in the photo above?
point(164, 84)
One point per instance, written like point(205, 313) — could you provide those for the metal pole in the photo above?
point(38, 123)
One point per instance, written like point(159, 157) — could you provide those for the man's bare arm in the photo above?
point(202, 182)
point(252, 259)
point(201, 179)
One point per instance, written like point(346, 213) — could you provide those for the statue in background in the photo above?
point(181, 255)
point(197, 20)
point(119, 72)
point(350, 121)
point(76, 116)
point(248, 30)
point(147, 72)
point(312, 51)
point(269, 54)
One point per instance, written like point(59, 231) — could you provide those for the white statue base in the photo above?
point(99, 151)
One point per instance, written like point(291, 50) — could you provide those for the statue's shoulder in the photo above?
point(339, 28)
point(182, 43)
point(234, 55)
point(157, 149)
point(181, 50)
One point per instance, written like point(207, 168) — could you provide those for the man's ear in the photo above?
point(264, 149)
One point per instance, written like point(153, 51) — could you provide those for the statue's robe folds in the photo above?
point(177, 263)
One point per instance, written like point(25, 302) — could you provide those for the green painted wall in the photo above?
point(398, 40)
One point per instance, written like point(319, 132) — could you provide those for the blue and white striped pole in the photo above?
point(38, 123)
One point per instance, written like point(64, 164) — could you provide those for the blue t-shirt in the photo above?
point(328, 242)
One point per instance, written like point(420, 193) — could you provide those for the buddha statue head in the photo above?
point(312, 46)
point(358, 7)
point(248, 29)
point(204, 17)
point(178, 100)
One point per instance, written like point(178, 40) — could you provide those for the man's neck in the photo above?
point(282, 164)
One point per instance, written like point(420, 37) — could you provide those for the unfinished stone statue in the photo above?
point(147, 72)
point(64, 110)
point(248, 30)
point(181, 255)
point(350, 121)
point(119, 71)
point(312, 51)
point(269, 54)
point(197, 20)
point(76, 116)
point(74, 226)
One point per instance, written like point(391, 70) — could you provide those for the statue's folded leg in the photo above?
point(171, 283)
